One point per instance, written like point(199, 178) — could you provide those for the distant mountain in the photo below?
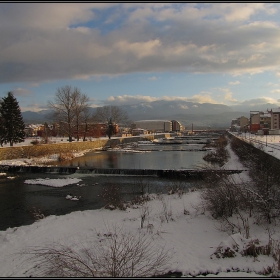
point(201, 115)
point(255, 107)
point(165, 109)
point(34, 117)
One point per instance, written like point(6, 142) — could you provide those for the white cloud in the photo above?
point(35, 107)
point(242, 11)
point(21, 92)
point(154, 78)
point(129, 99)
point(53, 41)
point(275, 91)
point(228, 95)
point(185, 107)
point(139, 49)
point(234, 83)
point(257, 101)
point(204, 97)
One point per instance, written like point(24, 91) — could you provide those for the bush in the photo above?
point(116, 254)
point(264, 190)
point(113, 198)
point(65, 156)
point(35, 142)
point(225, 197)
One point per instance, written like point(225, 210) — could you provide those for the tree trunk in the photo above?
point(85, 132)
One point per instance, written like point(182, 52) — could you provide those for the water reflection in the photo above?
point(17, 199)
point(163, 158)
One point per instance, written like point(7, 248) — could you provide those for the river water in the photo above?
point(177, 156)
point(18, 199)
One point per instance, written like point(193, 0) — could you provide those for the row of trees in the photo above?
point(11, 121)
point(72, 108)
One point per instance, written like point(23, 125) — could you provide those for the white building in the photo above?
point(155, 125)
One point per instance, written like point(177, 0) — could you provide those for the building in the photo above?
point(260, 120)
point(254, 121)
point(177, 126)
point(239, 124)
point(138, 131)
point(154, 125)
point(275, 118)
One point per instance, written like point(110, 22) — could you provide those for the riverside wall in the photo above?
point(29, 151)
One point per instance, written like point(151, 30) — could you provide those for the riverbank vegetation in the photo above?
point(220, 154)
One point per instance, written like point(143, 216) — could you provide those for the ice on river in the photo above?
point(56, 183)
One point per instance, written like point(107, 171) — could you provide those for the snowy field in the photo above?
point(188, 232)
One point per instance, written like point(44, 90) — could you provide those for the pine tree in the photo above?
point(110, 129)
point(2, 128)
point(13, 126)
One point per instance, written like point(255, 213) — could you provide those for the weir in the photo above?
point(165, 173)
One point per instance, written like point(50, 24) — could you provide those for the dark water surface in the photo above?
point(17, 198)
point(154, 157)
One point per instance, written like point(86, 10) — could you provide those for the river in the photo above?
point(18, 199)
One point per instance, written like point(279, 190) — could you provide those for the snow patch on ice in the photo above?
point(56, 183)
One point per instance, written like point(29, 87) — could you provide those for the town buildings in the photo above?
point(159, 125)
point(260, 122)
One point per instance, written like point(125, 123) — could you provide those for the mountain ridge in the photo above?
point(188, 113)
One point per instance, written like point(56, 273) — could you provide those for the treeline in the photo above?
point(70, 109)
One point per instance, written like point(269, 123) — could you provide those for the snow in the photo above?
point(70, 197)
point(268, 143)
point(192, 234)
point(39, 160)
point(56, 183)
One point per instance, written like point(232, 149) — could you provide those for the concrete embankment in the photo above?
point(48, 149)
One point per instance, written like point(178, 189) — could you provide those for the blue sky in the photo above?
point(128, 53)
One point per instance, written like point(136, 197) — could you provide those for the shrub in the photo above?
point(35, 142)
point(37, 214)
point(65, 156)
point(116, 254)
point(112, 197)
point(225, 197)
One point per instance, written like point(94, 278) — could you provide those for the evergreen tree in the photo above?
point(110, 129)
point(13, 128)
point(2, 128)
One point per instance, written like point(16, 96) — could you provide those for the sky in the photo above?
point(128, 53)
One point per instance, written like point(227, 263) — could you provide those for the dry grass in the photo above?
point(65, 156)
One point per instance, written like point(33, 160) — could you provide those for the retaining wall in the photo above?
point(48, 149)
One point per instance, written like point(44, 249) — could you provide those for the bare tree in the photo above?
point(107, 113)
point(110, 115)
point(85, 119)
point(81, 109)
point(67, 107)
point(117, 253)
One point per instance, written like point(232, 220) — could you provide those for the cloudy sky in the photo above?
point(117, 53)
